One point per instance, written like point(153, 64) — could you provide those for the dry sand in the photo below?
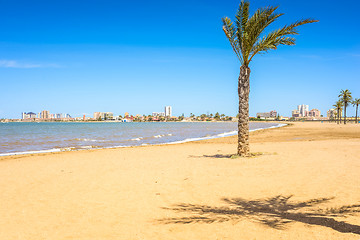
point(192, 190)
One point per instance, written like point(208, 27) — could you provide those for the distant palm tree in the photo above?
point(346, 98)
point(247, 38)
point(338, 105)
point(356, 103)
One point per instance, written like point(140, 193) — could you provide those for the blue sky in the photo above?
point(79, 57)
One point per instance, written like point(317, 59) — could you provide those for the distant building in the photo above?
point(58, 116)
point(108, 116)
point(126, 115)
point(45, 114)
point(168, 111)
point(31, 115)
point(331, 113)
point(158, 114)
point(314, 113)
point(273, 114)
point(28, 115)
point(295, 114)
point(97, 115)
point(103, 115)
point(264, 115)
point(303, 110)
point(284, 118)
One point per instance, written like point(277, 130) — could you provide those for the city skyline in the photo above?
point(49, 61)
point(302, 110)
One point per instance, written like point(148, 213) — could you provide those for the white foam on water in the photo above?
point(86, 147)
point(136, 139)
point(90, 140)
point(31, 152)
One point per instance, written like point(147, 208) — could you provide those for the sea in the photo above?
point(38, 137)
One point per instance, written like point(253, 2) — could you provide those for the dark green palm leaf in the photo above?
point(247, 37)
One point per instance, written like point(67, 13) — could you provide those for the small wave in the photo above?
point(89, 140)
point(226, 134)
point(136, 139)
point(162, 135)
point(86, 147)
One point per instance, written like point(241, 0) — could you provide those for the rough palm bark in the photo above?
point(345, 114)
point(243, 121)
point(356, 104)
point(340, 117)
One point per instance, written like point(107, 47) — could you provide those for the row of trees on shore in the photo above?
point(345, 99)
point(203, 117)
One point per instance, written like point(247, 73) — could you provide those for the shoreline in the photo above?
point(83, 148)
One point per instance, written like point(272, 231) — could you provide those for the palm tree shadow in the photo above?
point(275, 212)
point(213, 156)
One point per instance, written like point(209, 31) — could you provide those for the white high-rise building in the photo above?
point(303, 109)
point(28, 115)
point(168, 111)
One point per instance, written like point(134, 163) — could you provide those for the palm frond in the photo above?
point(242, 17)
point(261, 19)
point(278, 37)
point(345, 97)
point(338, 105)
point(230, 33)
point(356, 102)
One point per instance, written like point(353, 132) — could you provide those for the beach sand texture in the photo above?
point(305, 185)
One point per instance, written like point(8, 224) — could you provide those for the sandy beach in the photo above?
point(303, 183)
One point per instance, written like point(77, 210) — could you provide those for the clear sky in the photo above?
point(83, 56)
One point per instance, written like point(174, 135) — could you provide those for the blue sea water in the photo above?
point(24, 137)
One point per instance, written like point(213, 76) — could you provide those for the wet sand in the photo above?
point(304, 183)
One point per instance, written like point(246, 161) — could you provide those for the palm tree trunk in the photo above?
point(345, 114)
point(338, 116)
point(356, 121)
point(243, 123)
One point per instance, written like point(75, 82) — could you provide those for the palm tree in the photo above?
point(247, 38)
point(338, 106)
point(356, 103)
point(346, 98)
